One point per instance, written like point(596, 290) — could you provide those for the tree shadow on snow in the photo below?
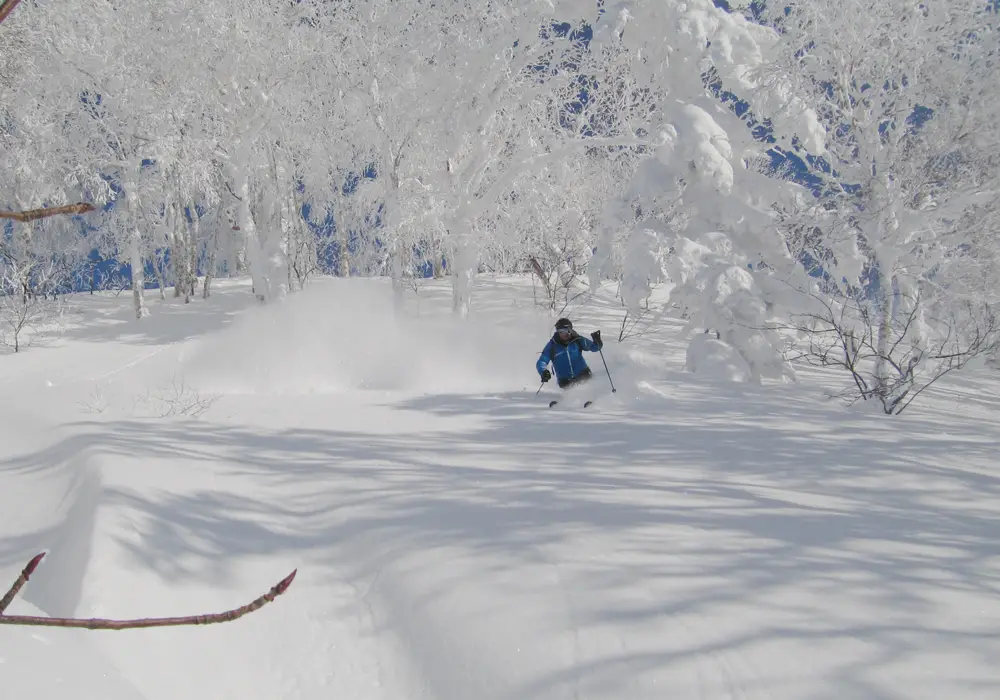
point(654, 521)
point(170, 320)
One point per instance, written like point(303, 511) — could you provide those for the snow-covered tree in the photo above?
point(910, 179)
point(467, 135)
point(698, 195)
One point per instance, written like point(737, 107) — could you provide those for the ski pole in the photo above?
point(539, 388)
point(601, 350)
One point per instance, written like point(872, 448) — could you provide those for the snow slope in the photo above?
point(454, 538)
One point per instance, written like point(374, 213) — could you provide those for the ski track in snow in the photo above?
point(364, 596)
point(127, 366)
point(319, 666)
point(730, 677)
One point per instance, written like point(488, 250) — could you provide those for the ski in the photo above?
point(556, 401)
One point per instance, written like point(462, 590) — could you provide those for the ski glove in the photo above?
point(546, 376)
point(596, 335)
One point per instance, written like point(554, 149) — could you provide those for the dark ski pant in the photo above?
point(585, 375)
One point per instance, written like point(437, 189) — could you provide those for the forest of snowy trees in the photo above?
point(814, 180)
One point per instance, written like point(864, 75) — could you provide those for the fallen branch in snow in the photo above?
point(100, 624)
point(31, 215)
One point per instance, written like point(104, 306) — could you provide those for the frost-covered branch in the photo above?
point(908, 181)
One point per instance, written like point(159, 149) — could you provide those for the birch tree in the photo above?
point(911, 179)
point(105, 60)
point(379, 77)
point(446, 128)
point(501, 62)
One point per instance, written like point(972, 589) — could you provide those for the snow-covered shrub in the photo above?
point(708, 356)
point(718, 295)
point(642, 268)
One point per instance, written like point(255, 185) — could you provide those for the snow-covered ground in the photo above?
point(457, 539)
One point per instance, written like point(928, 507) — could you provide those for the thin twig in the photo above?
point(21, 580)
point(101, 624)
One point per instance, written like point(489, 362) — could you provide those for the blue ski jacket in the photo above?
point(566, 358)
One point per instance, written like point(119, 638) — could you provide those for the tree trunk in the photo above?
point(463, 275)
point(398, 287)
point(178, 251)
point(210, 267)
point(161, 280)
point(138, 278)
point(343, 254)
point(135, 248)
point(212, 247)
point(437, 262)
point(194, 236)
point(261, 285)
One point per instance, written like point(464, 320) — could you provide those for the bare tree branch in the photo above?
point(843, 335)
point(6, 7)
point(101, 624)
point(21, 580)
point(33, 214)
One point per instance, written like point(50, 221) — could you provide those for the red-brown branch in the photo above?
point(101, 624)
point(31, 215)
point(6, 8)
point(21, 580)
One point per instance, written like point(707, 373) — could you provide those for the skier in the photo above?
point(565, 351)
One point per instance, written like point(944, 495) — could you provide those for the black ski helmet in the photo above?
point(564, 323)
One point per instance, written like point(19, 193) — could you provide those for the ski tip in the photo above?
point(552, 403)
